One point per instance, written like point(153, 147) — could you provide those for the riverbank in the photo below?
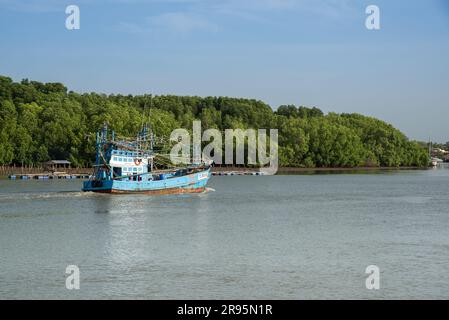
point(8, 171)
point(292, 170)
point(296, 170)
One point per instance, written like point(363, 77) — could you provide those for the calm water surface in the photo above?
point(286, 237)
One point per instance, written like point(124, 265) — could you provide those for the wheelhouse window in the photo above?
point(117, 171)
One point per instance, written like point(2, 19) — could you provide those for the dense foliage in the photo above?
point(42, 121)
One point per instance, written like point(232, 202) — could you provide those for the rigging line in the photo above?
point(108, 167)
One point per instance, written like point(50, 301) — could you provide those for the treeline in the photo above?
point(42, 121)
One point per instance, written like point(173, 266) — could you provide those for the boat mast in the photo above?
point(150, 132)
point(430, 149)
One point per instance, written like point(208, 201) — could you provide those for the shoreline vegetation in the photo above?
point(44, 121)
point(7, 171)
point(287, 170)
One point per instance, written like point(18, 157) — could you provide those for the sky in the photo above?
point(303, 52)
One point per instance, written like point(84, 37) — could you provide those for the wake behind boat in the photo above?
point(123, 166)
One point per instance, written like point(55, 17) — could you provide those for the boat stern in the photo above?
point(97, 186)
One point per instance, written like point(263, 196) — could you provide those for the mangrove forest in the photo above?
point(42, 121)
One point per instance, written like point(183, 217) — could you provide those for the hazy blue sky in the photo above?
point(305, 52)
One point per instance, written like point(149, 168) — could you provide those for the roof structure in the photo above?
point(58, 162)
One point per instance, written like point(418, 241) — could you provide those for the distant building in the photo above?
point(56, 165)
point(441, 151)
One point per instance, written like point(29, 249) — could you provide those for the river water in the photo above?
point(248, 237)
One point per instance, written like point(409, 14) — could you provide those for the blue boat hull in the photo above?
point(193, 183)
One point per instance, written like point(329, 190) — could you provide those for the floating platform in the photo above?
point(84, 176)
point(41, 176)
point(238, 173)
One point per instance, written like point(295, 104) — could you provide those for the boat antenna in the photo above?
point(151, 105)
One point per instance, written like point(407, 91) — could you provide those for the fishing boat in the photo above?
point(124, 166)
point(435, 161)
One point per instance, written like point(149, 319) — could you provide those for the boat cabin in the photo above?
point(129, 165)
